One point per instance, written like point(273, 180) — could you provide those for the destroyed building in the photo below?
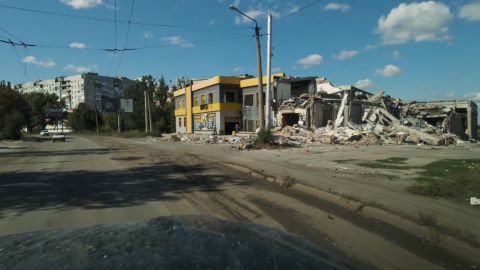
point(350, 113)
point(321, 111)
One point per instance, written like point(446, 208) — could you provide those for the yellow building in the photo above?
point(211, 106)
point(217, 105)
point(250, 109)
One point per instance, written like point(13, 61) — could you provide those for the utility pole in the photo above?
point(261, 105)
point(149, 113)
point(118, 121)
point(146, 117)
point(269, 71)
point(96, 116)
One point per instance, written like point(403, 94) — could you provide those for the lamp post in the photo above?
point(261, 105)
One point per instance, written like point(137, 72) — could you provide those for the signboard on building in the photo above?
point(126, 105)
point(204, 122)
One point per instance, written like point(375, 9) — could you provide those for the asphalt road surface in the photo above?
point(97, 180)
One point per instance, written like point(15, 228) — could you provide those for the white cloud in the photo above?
point(450, 95)
point(82, 4)
point(388, 71)
point(470, 12)
point(178, 41)
point(47, 63)
point(78, 45)
point(423, 21)
point(237, 69)
point(370, 47)
point(80, 69)
point(475, 96)
point(212, 22)
point(337, 6)
point(396, 54)
point(293, 9)
point(344, 55)
point(364, 84)
point(148, 35)
point(311, 60)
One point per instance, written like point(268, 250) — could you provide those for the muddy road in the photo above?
point(98, 180)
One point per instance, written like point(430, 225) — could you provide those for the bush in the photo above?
point(83, 118)
point(13, 123)
point(110, 122)
point(264, 137)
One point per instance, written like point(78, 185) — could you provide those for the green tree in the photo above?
point(39, 102)
point(136, 119)
point(163, 113)
point(161, 106)
point(110, 122)
point(15, 112)
point(83, 118)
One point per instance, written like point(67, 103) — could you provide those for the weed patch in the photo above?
point(451, 179)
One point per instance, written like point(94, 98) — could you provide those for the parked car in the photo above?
point(44, 132)
point(58, 137)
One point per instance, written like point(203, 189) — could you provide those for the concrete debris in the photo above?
point(348, 115)
point(245, 141)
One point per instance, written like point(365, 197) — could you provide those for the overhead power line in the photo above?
point(126, 38)
point(105, 20)
point(114, 37)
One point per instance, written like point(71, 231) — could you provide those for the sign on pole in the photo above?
point(126, 105)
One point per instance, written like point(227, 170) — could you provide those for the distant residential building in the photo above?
point(98, 91)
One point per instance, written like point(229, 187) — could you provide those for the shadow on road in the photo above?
point(28, 191)
point(70, 152)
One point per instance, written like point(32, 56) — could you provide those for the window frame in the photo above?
point(234, 96)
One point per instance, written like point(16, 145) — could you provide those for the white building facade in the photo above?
point(98, 91)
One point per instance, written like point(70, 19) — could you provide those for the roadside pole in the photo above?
point(118, 121)
point(261, 106)
point(96, 117)
point(269, 71)
point(146, 119)
point(149, 113)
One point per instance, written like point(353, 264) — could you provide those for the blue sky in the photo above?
point(413, 50)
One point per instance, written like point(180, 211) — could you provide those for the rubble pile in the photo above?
point(213, 139)
point(346, 115)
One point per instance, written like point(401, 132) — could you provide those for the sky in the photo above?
point(410, 49)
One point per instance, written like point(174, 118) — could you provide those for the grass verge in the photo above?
point(456, 179)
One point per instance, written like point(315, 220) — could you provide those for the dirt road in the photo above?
point(99, 180)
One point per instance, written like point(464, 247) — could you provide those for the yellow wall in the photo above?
point(179, 112)
point(215, 107)
point(179, 92)
point(254, 81)
point(198, 85)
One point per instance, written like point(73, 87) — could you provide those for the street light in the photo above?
point(259, 66)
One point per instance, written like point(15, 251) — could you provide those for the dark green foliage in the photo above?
point(39, 103)
point(15, 112)
point(162, 110)
point(110, 122)
point(13, 124)
point(83, 118)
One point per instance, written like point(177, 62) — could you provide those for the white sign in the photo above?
point(126, 105)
